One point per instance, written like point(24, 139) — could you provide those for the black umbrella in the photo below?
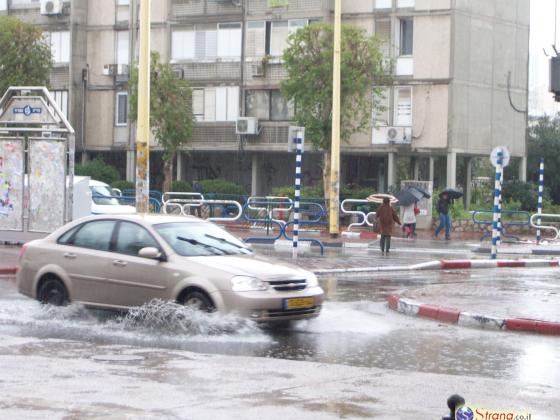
point(425, 194)
point(408, 196)
point(452, 193)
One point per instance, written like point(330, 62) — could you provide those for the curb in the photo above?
point(445, 265)
point(6, 270)
point(467, 319)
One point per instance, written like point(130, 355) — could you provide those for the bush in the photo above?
point(525, 193)
point(221, 186)
point(123, 184)
point(98, 170)
point(181, 186)
point(306, 192)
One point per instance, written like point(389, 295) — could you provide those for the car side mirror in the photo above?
point(151, 253)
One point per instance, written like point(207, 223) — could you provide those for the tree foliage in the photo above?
point(25, 57)
point(99, 170)
point(544, 142)
point(171, 115)
point(308, 61)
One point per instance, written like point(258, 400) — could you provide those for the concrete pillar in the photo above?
point(523, 169)
point(179, 166)
point(416, 168)
point(431, 168)
point(381, 177)
point(255, 163)
point(391, 169)
point(85, 157)
point(451, 180)
point(130, 165)
point(468, 183)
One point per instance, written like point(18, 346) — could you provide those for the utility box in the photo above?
point(554, 85)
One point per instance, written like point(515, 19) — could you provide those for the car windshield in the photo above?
point(102, 195)
point(192, 239)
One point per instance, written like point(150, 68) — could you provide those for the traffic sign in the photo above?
point(505, 156)
point(293, 133)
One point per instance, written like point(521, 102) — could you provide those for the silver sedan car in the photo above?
point(116, 262)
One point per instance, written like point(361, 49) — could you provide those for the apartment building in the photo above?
point(460, 77)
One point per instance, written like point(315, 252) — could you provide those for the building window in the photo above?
point(122, 47)
point(381, 111)
point(257, 104)
point(280, 108)
point(383, 33)
point(383, 4)
point(121, 116)
point(277, 33)
point(405, 3)
point(406, 36)
point(123, 10)
point(403, 106)
point(216, 104)
point(256, 39)
point(61, 99)
point(3, 5)
point(207, 42)
point(60, 46)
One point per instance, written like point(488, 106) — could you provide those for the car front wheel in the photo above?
point(199, 301)
point(53, 292)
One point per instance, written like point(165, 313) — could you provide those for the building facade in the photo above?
point(460, 83)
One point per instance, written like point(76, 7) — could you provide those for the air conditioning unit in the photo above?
point(258, 70)
point(51, 7)
point(109, 69)
point(399, 135)
point(246, 125)
point(122, 69)
point(179, 74)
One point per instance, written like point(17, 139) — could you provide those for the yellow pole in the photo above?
point(143, 128)
point(335, 145)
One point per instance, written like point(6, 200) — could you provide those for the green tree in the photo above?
point(171, 115)
point(544, 142)
point(25, 58)
point(308, 61)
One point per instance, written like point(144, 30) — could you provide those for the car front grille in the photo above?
point(288, 285)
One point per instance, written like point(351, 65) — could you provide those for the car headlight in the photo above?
point(247, 284)
point(312, 281)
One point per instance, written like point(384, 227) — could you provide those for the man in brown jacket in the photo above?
point(386, 217)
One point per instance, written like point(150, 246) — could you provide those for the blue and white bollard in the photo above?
point(497, 207)
point(539, 205)
point(297, 194)
point(500, 229)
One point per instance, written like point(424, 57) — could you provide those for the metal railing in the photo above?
point(364, 222)
point(526, 216)
point(554, 229)
point(184, 202)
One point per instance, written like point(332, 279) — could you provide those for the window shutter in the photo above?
point(278, 36)
point(210, 104)
point(383, 32)
point(255, 39)
point(232, 103)
point(403, 106)
point(198, 104)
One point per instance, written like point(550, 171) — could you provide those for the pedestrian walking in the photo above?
point(387, 217)
point(408, 216)
point(444, 217)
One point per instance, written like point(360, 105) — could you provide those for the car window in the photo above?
point(131, 238)
point(65, 238)
point(103, 196)
point(95, 235)
point(200, 239)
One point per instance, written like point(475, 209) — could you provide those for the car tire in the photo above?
point(53, 292)
point(199, 301)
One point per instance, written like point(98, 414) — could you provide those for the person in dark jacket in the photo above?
point(386, 217)
point(444, 217)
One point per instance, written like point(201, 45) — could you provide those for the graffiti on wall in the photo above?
point(46, 185)
point(11, 184)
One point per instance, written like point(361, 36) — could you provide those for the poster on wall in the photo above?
point(11, 184)
point(47, 184)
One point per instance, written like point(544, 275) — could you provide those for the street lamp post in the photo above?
point(143, 125)
point(335, 145)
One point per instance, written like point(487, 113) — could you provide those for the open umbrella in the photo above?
point(409, 196)
point(452, 193)
point(425, 194)
point(378, 198)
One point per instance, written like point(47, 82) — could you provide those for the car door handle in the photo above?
point(70, 255)
point(119, 263)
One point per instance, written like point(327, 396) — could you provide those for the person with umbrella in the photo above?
point(386, 216)
point(445, 198)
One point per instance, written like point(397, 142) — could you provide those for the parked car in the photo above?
point(104, 201)
point(116, 262)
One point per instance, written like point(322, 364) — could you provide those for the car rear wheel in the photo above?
point(53, 292)
point(199, 301)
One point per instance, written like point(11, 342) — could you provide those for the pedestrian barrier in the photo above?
point(526, 216)
point(539, 225)
point(364, 221)
point(314, 218)
point(184, 202)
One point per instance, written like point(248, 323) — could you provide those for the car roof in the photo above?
point(95, 183)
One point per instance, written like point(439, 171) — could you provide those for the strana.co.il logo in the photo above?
point(464, 413)
point(27, 110)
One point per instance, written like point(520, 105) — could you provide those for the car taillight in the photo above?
point(21, 252)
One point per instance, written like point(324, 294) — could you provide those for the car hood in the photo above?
point(112, 209)
point(251, 265)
